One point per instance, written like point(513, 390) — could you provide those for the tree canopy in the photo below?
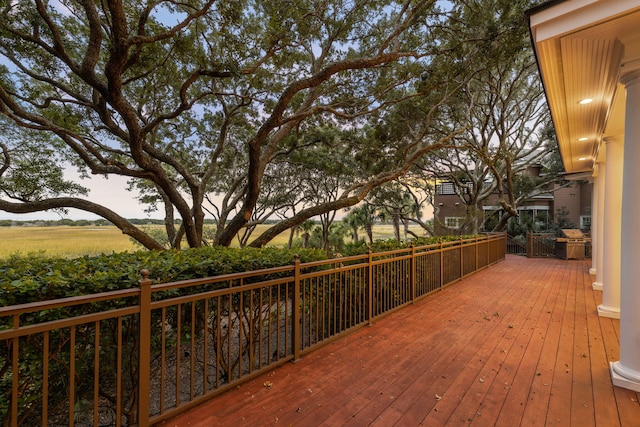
point(507, 125)
point(243, 110)
point(195, 99)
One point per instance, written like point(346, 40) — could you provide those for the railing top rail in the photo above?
point(67, 302)
point(320, 263)
point(26, 330)
point(221, 278)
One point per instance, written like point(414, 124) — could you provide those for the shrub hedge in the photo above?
point(31, 278)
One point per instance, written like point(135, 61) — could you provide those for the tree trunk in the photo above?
point(396, 223)
point(369, 230)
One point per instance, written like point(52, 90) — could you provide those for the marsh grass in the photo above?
point(66, 242)
point(71, 242)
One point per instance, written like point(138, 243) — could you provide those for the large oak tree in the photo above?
point(503, 112)
point(197, 98)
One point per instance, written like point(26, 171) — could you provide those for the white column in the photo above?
point(599, 246)
point(626, 372)
point(610, 306)
point(594, 221)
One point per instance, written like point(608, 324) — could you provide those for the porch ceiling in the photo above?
point(583, 48)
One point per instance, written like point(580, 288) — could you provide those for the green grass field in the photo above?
point(70, 242)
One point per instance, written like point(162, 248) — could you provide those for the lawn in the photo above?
point(65, 241)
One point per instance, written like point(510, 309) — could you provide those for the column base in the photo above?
point(597, 286)
point(624, 377)
point(592, 271)
point(611, 312)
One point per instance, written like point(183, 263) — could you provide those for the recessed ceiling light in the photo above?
point(586, 101)
point(584, 138)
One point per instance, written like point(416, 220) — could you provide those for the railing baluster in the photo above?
point(317, 318)
point(144, 368)
point(296, 309)
point(240, 316)
point(45, 379)
point(287, 319)
point(15, 372)
point(72, 374)
point(205, 350)
point(218, 340)
point(119, 374)
point(96, 374)
point(163, 356)
point(260, 325)
point(192, 361)
point(412, 273)
point(277, 325)
point(178, 345)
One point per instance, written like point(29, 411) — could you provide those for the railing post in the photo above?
point(144, 368)
point(504, 252)
point(15, 370)
point(412, 273)
point(461, 258)
point(477, 245)
point(441, 265)
point(296, 309)
point(370, 290)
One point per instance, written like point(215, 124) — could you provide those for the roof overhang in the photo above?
point(583, 47)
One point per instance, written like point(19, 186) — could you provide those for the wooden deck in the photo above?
point(519, 343)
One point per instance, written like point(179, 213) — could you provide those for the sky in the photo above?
point(110, 192)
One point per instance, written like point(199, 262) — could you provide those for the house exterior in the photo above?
point(568, 204)
point(588, 54)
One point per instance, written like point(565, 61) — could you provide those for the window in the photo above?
point(453, 221)
point(585, 222)
point(446, 188)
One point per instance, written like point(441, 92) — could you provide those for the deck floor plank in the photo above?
point(582, 397)
point(559, 410)
point(536, 322)
point(476, 400)
point(535, 411)
point(444, 372)
point(449, 379)
point(447, 360)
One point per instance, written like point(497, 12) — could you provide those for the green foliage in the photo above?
point(25, 279)
point(562, 219)
point(32, 278)
point(392, 244)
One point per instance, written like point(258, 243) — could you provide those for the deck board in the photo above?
point(519, 343)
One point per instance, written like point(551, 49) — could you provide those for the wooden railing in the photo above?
point(541, 245)
point(515, 247)
point(143, 355)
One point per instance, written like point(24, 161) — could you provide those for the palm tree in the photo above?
point(362, 216)
point(306, 228)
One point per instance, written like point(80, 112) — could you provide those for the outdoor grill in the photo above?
point(570, 244)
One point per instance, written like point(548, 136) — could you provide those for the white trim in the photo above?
point(533, 208)
point(571, 16)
